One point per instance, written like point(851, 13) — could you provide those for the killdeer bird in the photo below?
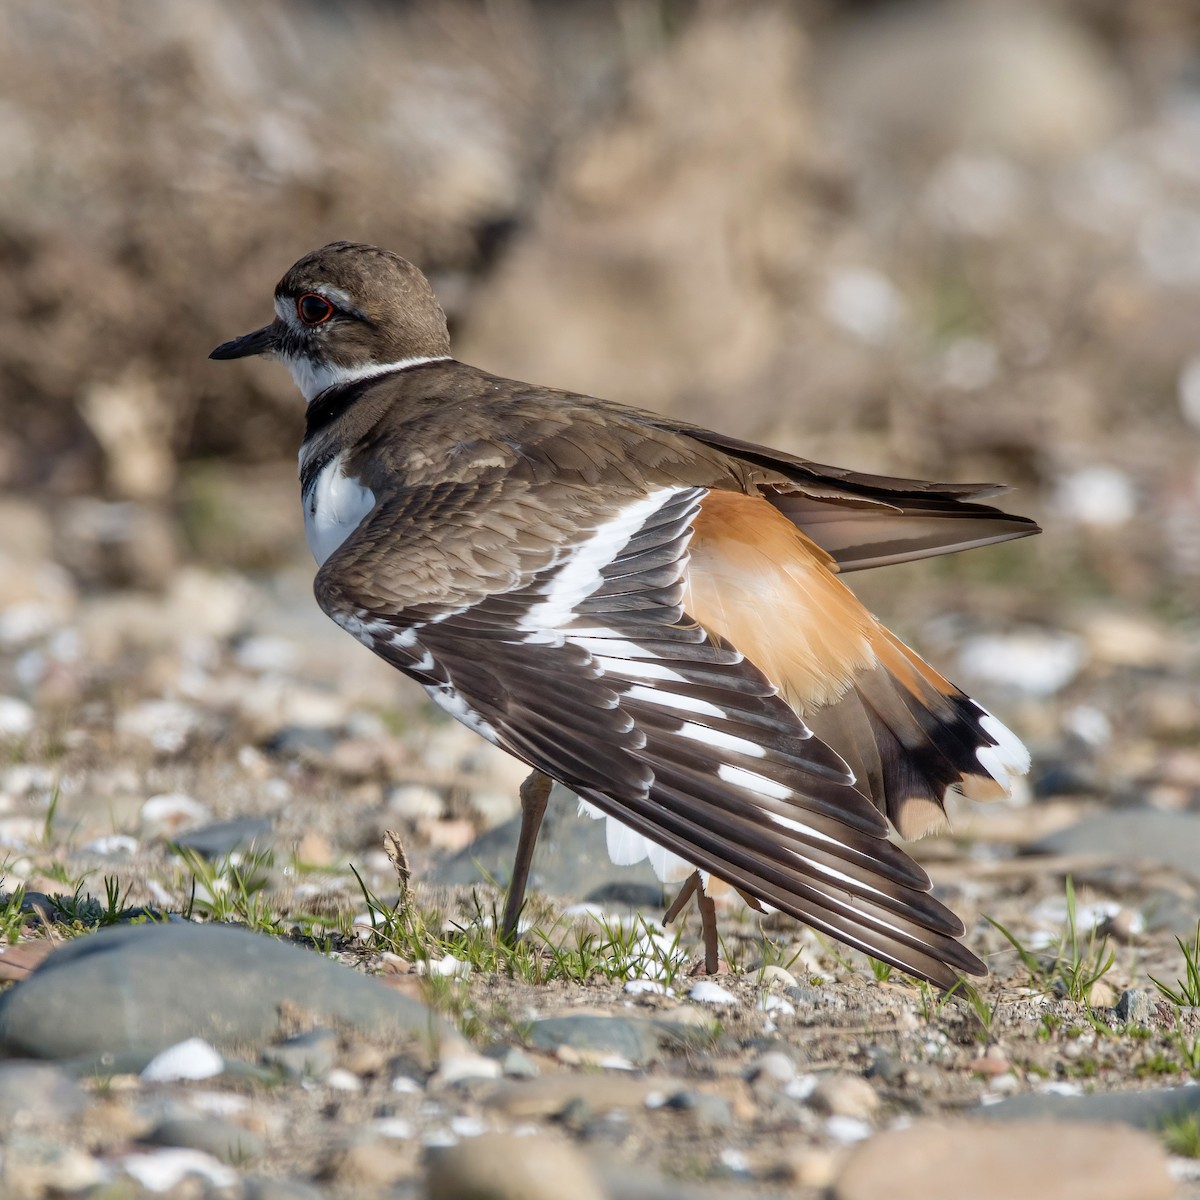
point(649, 612)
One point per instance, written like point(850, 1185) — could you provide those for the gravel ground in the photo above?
point(223, 755)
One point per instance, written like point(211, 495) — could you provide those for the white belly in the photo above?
point(334, 509)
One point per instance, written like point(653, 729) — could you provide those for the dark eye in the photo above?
point(313, 309)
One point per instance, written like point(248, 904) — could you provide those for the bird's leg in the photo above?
point(535, 791)
point(694, 885)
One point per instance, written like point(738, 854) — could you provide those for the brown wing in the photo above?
point(872, 520)
point(588, 667)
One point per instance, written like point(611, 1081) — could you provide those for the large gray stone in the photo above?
point(112, 1000)
point(571, 859)
point(220, 838)
point(1132, 835)
point(641, 1040)
point(1146, 1110)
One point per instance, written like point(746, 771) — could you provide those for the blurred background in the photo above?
point(955, 240)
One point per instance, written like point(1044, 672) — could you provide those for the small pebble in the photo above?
point(170, 813)
point(306, 1056)
point(775, 1068)
point(780, 1006)
point(162, 1170)
point(518, 1065)
point(647, 987)
point(708, 992)
point(709, 1112)
point(394, 1127)
point(225, 1141)
point(846, 1096)
point(773, 973)
point(367, 1167)
point(191, 1059)
point(1136, 1005)
point(460, 1067)
point(847, 1130)
point(16, 717)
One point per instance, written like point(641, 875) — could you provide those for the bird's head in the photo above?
point(346, 312)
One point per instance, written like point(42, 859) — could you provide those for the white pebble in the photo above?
point(162, 1170)
point(847, 1130)
point(343, 1080)
point(165, 724)
point(218, 1104)
point(416, 800)
point(643, 987)
point(466, 1066)
point(1099, 496)
point(1032, 661)
point(1054, 1088)
point(268, 655)
point(394, 1127)
point(448, 967)
point(191, 1059)
point(708, 992)
point(802, 1087)
point(863, 302)
point(171, 812)
point(113, 844)
point(16, 717)
point(735, 1161)
point(769, 1003)
point(406, 1085)
point(468, 1126)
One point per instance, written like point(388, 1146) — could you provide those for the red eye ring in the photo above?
point(313, 309)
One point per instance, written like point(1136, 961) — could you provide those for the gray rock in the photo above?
point(1132, 835)
point(809, 997)
point(885, 1065)
point(1146, 1110)
point(38, 1093)
point(709, 1112)
point(634, 1184)
point(639, 1039)
point(634, 1039)
point(1168, 910)
point(303, 742)
point(112, 1000)
point(221, 838)
point(309, 1055)
point(516, 1064)
point(224, 1140)
point(1136, 1005)
point(571, 859)
point(260, 1187)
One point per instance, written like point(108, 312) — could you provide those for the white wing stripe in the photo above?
point(580, 574)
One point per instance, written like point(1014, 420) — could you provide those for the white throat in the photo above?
point(313, 378)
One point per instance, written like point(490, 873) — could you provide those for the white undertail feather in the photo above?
point(633, 847)
point(1008, 758)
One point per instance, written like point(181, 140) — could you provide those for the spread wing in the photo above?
point(871, 520)
point(551, 621)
